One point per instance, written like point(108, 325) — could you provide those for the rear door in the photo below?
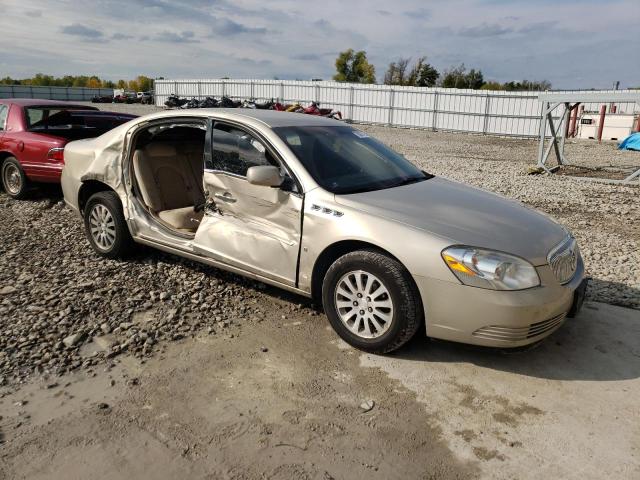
point(252, 227)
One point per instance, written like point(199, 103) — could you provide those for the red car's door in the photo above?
point(30, 148)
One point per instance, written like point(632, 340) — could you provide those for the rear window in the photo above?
point(45, 119)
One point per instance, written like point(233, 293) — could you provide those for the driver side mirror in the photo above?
point(265, 175)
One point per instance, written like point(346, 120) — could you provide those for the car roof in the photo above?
point(39, 102)
point(270, 118)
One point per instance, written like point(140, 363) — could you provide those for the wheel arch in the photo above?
point(331, 253)
point(88, 188)
point(4, 155)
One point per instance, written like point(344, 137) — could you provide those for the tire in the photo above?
point(105, 226)
point(379, 323)
point(14, 181)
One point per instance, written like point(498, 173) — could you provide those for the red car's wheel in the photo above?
point(14, 180)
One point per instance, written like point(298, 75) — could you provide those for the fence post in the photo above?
point(434, 124)
point(603, 113)
point(199, 89)
point(391, 101)
point(351, 103)
point(252, 91)
point(281, 97)
point(175, 88)
point(31, 90)
point(317, 93)
point(487, 104)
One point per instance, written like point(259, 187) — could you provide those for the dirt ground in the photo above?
point(282, 400)
point(278, 401)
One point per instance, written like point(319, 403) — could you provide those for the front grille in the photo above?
point(563, 259)
point(516, 334)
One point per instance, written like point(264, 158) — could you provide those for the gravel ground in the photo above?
point(56, 296)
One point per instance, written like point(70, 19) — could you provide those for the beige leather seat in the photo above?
point(170, 183)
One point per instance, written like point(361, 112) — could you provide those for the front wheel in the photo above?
point(106, 227)
point(371, 301)
point(14, 180)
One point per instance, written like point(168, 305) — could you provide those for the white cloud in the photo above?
point(565, 41)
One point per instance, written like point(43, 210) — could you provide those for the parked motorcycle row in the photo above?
point(145, 98)
point(175, 101)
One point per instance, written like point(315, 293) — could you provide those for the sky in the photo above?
point(572, 43)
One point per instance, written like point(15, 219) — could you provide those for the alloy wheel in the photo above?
point(102, 227)
point(364, 304)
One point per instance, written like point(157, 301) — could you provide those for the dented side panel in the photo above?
point(252, 227)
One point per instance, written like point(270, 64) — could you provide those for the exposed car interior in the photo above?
point(168, 171)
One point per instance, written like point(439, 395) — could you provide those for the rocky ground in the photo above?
point(73, 325)
point(57, 297)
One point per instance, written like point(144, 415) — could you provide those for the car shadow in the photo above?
point(602, 343)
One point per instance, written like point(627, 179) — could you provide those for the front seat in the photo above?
point(168, 185)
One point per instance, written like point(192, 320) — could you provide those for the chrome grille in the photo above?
point(515, 334)
point(563, 259)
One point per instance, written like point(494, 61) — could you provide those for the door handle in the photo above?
point(225, 197)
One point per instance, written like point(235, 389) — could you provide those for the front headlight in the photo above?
point(478, 267)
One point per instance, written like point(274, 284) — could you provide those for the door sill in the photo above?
point(214, 263)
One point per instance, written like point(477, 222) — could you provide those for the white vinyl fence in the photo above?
point(77, 94)
point(448, 109)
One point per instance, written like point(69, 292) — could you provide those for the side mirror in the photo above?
point(265, 175)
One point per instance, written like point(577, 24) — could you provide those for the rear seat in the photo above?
point(171, 183)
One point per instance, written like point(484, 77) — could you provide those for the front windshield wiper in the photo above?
point(409, 180)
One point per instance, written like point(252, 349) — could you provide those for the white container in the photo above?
point(616, 126)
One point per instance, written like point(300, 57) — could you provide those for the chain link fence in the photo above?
point(446, 109)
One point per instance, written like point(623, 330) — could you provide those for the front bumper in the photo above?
point(493, 318)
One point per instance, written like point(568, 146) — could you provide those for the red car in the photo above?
point(33, 134)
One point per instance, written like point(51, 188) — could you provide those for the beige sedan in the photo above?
point(322, 209)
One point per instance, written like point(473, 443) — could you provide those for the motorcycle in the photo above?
point(193, 103)
point(296, 107)
point(174, 101)
point(314, 109)
point(209, 102)
point(226, 102)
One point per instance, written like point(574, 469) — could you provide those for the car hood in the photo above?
point(466, 215)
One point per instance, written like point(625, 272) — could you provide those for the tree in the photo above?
point(396, 74)
point(422, 74)
point(354, 67)
point(458, 77)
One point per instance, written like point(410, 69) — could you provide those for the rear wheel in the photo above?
point(371, 301)
point(106, 227)
point(14, 180)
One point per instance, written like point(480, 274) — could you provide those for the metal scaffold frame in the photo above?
point(557, 127)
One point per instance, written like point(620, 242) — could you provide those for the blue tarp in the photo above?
point(632, 142)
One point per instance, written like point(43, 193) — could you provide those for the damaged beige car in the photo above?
point(322, 209)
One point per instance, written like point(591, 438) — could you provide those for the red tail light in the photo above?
point(56, 155)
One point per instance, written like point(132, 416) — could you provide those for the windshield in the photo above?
point(344, 160)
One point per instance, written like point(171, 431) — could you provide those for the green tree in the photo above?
point(422, 74)
point(458, 77)
point(354, 67)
